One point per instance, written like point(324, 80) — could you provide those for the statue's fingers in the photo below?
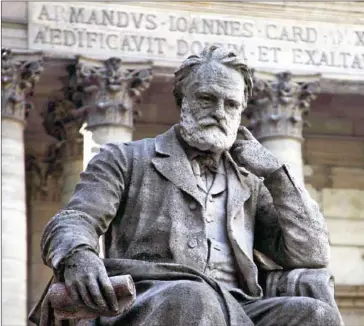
point(85, 295)
point(73, 291)
point(108, 292)
point(247, 135)
point(96, 295)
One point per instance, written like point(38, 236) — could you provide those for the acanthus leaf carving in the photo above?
point(18, 78)
point(277, 107)
point(111, 91)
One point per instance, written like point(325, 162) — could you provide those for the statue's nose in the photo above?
point(219, 113)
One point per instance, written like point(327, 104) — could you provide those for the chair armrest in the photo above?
point(314, 283)
point(299, 282)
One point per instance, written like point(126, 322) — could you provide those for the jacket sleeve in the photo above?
point(289, 226)
point(92, 207)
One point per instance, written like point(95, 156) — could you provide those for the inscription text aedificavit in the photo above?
point(128, 31)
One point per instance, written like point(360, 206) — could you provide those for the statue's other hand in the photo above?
point(251, 154)
point(87, 281)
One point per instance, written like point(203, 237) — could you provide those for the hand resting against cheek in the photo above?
point(251, 154)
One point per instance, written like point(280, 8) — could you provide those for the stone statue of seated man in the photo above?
point(212, 228)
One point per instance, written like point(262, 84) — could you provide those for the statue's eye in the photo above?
point(205, 97)
point(231, 104)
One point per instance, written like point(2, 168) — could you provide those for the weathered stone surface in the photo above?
point(314, 193)
point(359, 127)
point(353, 318)
point(18, 78)
point(347, 264)
point(343, 203)
point(330, 125)
point(14, 36)
point(346, 232)
point(278, 106)
point(142, 186)
point(110, 89)
point(326, 150)
point(347, 178)
point(19, 74)
point(44, 173)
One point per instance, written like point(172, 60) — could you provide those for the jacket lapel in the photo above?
point(238, 193)
point(172, 162)
point(238, 190)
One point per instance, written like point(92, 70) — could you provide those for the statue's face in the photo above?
point(212, 106)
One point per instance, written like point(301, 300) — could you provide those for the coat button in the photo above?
point(209, 218)
point(192, 243)
point(192, 206)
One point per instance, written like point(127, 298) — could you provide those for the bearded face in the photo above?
point(211, 107)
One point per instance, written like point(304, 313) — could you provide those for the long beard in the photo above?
point(205, 138)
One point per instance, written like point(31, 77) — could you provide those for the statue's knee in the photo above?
point(197, 297)
point(319, 313)
point(191, 291)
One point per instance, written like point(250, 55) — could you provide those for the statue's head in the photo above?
point(212, 90)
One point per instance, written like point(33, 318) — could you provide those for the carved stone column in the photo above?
point(44, 170)
point(63, 121)
point(19, 74)
point(276, 112)
point(110, 91)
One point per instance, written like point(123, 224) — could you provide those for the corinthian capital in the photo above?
point(278, 105)
point(19, 74)
point(111, 89)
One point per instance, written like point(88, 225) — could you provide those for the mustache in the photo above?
point(212, 122)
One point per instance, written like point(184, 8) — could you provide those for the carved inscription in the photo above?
point(128, 31)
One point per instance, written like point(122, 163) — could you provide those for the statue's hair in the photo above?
point(210, 54)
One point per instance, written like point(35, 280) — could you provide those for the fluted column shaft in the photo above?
point(19, 75)
point(276, 112)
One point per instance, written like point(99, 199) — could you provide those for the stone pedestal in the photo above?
point(276, 113)
point(19, 72)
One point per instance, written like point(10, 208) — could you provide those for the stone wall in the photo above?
point(335, 178)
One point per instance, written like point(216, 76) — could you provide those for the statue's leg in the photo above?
point(291, 311)
point(167, 303)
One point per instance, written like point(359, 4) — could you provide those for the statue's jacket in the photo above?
point(144, 196)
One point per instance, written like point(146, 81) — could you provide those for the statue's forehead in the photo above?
point(214, 72)
point(211, 76)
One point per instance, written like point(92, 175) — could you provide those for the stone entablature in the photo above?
point(165, 36)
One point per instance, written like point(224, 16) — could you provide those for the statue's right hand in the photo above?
point(87, 281)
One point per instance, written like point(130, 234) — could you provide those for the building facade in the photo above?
point(77, 75)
